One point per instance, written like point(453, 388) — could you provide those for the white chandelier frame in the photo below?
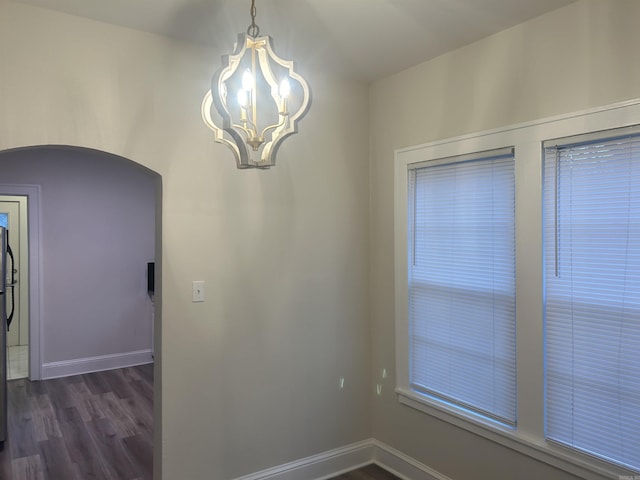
point(253, 144)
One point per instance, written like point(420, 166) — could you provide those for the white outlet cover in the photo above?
point(198, 291)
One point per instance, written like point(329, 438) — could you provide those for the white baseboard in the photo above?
point(335, 462)
point(322, 466)
point(402, 465)
point(79, 366)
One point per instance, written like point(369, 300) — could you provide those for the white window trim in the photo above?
point(527, 138)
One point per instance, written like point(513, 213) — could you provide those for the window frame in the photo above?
point(527, 139)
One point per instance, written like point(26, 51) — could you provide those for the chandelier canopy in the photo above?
point(256, 99)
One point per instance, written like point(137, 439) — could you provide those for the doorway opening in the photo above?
point(14, 217)
point(86, 282)
point(100, 215)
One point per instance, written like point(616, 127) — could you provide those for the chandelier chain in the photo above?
point(254, 29)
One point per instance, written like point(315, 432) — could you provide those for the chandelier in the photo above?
point(256, 99)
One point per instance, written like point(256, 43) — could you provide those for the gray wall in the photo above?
point(579, 57)
point(97, 235)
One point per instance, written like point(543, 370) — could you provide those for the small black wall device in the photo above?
point(151, 277)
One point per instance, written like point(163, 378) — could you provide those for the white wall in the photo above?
point(97, 235)
point(249, 379)
point(582, 56)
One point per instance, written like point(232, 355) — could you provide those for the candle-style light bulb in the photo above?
point(247, 80)
point(243, 98)
point(285, 88)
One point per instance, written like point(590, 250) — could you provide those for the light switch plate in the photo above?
point(198, 291)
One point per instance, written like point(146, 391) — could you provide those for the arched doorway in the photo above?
point(94, 225)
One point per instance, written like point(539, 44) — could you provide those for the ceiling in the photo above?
point(363, 39)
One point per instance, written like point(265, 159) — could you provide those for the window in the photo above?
point(462, 282)
point(517, 287)
point(592, 294)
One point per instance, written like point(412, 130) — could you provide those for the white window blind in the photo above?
point(462, 283)
point(592, 296)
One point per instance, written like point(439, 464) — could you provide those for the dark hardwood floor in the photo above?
point(97, 426)
point(370, 472)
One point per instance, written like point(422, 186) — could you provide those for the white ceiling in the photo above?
point(364, 39)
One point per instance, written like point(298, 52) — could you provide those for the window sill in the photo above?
point(562, 458)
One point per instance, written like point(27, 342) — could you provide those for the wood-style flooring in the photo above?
point(86, 427)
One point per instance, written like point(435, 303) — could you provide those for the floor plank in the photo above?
point(112, 451)
point(26, 468)
point(81, 447)
point(56, 461)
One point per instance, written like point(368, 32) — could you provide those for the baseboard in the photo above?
point(336, 462)
point(79, 366)
point(401, 465)
point(322, 466)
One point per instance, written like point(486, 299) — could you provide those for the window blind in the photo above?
point(592, 296)
point(462, 283)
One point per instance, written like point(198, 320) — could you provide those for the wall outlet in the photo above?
point(198, 291)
